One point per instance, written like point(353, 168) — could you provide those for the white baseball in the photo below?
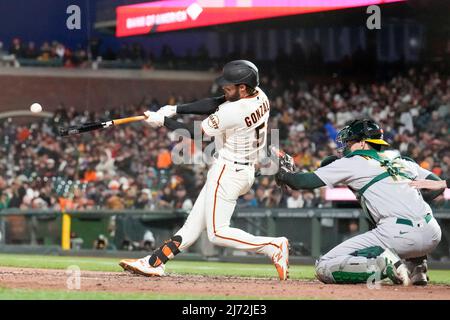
point(36, 107)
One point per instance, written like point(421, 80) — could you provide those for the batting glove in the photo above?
point(168, 111)
point(154, 119)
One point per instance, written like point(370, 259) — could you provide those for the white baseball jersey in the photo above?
point(239, 128)
point(385, 198)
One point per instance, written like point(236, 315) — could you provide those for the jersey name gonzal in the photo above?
point(239, 128)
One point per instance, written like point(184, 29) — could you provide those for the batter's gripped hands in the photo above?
point(168, 110)
point(154, 119)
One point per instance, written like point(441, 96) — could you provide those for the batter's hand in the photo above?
point(154, 119)
point(168, 111)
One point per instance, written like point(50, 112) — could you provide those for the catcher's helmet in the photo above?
point(239, 72)
point(361, 130)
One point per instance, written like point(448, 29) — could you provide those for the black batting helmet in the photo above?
point(239, 72)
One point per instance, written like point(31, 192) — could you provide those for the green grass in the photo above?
point(439, 276)
point(178, 267)
point(27, 294)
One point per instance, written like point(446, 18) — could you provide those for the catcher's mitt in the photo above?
point(285, 165)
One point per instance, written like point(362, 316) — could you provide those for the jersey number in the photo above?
point(260, 134)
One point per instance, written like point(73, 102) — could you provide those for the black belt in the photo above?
point(243, 163)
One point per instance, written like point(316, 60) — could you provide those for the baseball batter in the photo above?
point(405, 227)
point(238, 123)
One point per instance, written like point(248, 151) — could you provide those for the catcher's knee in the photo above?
point(323, 273)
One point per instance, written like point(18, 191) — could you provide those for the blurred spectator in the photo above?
point(310, 200)
point(2, 50)
point(148, 242)
point(145, 200)
point(17, 48)
point(31, 51)
point(114, 201)
point(166, 199)
point(75, 241)
point(247, 201)
point(295, 200)
point(4, 199)
point(101, 243)
point(164, 159)
point(181, 200)
point(275, 199)
point(261, 197)
point(353, 230)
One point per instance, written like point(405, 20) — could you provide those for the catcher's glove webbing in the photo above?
point(285, 165)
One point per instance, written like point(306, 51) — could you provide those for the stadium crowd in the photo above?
point(132, 166)
point(128, 55)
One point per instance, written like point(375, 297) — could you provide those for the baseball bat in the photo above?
point(86, 127)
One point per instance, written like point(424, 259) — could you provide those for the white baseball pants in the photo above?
point(408, 241)
point(214, 207)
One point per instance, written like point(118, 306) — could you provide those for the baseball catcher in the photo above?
point(380, 178)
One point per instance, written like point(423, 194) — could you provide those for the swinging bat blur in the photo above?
point(97, 125)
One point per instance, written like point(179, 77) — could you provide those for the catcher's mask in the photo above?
point(360, 130)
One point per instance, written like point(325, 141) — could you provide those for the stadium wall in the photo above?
point(94, 89)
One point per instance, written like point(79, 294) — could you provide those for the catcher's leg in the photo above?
point(360, 259)
point(415, 243)
point(224, 186)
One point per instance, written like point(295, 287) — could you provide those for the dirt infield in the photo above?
point(49, 279)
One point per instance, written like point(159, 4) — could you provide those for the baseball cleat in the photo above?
point(419, 275)
point(281, 259)
point(418, 269)
point(142, 267)
point(394, 268)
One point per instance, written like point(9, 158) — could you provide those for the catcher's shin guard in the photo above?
point(166, 252)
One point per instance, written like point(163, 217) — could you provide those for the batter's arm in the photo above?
point(205, 106)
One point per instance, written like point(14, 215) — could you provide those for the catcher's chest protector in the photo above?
point(386, 160)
